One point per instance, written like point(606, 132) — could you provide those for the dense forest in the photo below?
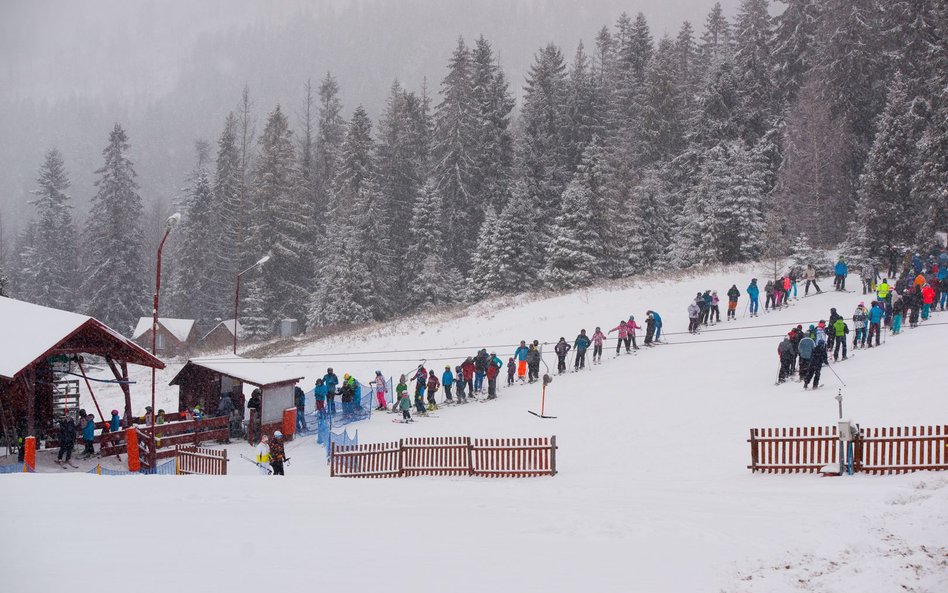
point(732, 141)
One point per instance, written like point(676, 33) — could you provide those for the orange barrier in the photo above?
point(131, 440)
point(29, 453)
point(289, 422)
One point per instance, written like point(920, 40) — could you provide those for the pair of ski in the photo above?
point(261, 465)
point(63, 464)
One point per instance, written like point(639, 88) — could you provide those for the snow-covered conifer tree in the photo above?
point(570, 262)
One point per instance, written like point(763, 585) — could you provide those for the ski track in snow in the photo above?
point(653, 492)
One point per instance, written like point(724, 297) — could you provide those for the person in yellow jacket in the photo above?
point(882, 291)
point(262, 455)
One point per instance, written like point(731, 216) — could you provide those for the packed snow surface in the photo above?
point(653, 492)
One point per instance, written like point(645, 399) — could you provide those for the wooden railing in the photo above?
point(196, 460)
point(169, 435)
point(446, 456)
point(874, 450)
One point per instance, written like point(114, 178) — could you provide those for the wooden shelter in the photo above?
point(175, 337)
point(37, 339)
point(203, 380)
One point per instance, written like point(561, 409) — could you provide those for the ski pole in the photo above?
point(837, 376)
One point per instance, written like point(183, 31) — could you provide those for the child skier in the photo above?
point(380, 388)
point(447, 380)
point(597, 339)
point(631, 325)
point(623, 329)
point(262, 455)
point(562, 349)
point(403, 403)
point(433, 386)
point(511, 369)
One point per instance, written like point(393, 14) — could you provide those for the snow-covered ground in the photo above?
point(653, 492)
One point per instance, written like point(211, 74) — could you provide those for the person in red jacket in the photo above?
point(467, 374)
point(493, 369)
point(928, 297)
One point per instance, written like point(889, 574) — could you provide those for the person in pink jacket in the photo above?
point(623, 329)
point(597, 339)
point(632, 326)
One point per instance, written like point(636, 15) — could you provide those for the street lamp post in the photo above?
point(169, 224)
point(262, 261)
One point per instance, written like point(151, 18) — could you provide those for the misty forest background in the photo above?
point(733, 140)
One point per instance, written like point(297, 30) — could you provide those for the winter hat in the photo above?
point(115, 412)
point(447, 367)
point(862, 303)
point(278, 435)
point(812, 327)
point(378, 372)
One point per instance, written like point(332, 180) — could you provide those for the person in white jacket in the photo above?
point(262, 456)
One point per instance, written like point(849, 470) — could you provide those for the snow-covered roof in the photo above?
point(256, 371)
point(31, 331)
point(179, 328)
point(229, 326)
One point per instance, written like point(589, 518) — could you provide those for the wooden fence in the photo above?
point(875, 450)
point(197, 460)
point(171, 434)
point(446, 456)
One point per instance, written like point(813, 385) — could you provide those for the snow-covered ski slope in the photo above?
point(653, 492)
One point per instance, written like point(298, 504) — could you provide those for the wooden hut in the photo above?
point(202, 381)
point(221, 337)
point(175, 337)
point(37, 340)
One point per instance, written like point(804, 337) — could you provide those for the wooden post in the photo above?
point(29, 453)
point(332, 459)
point(470, 456)
point(27, 384)
point(754, 454)
point(401, 457)
point(121, 375)
point(553, 455)
point(131, 446)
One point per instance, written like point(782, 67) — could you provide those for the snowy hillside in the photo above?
point(653, 492)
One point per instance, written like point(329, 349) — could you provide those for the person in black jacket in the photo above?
point(562, 348)
point(67, 438)
point(817, 360)
point(299, 400)
point(732, 295)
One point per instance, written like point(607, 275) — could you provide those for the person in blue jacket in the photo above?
point(875, 320)
point(330, 380)
point(917, 263)
point(658, 325)
point(580, 345)
point(88, 436)
point(320, 391)
point(841, 270)
point(447, 380)
point(753, 292)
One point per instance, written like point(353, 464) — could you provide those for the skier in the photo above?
point(380, 388)
point(262, 455)
point(511, 370)
point(705, 305)
point(403, 403)
point(447, 380)
point(433, 386)
point(875, 320)
point(521, 355)
point(493, 368)
point(580, 344)
point(811, 279)
point(753, 292)
point(841, 270)
point(331, 381)
point(299, 400)
point(859, 326)
point(869, 276)
point(533, 362)
point(319, 392)
point(631, 325)
point(597, 339)
point(769, 292)
point(840, 330)
point(928, 299)
point(715, 316)
point(732, 295)
point(88, 436)
point(562, 349)
point(459, 382)
point(897, 311)
point(693, 318)
point(421, 377)
point(480, 369)
point(785, 353)
point(883, 292)
point(468, 373)
point(830, 329)
point(67, 439)
point(796, 334)
point(817, 360)
point(805, 351)
point(623, 329)
point(277, 454)
point(792, 277)
point(658, 325)
point(649, 329)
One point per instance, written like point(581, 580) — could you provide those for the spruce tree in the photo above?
point(517, 258)
point(52, 268)
point(716, 43)
point(648, 224)
point(794, 40)
point(330, 134)
point(663, 107)
point(225, 221)
point(493, 152)
point(688, 72)
point(885, 207)
point(752, 58)
point(432, 281)
point(569, 261)
point(803, 254)
point(194, 295)
point(484, 279)
point(114, 286)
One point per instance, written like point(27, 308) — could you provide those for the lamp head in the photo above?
point(263, 260)
point(173, 220)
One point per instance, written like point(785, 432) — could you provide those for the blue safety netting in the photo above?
point(15, 468)
point(326, 438)
point(345, 413)
point(164, 469)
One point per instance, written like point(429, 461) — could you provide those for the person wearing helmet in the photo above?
point(521, 355)
point(331, 381)
point(380, 387)
point(115, 422)
point(460, 384)
point(447, 380)
point(597, 339)
point(88, 436)
point(262, 455)
point(511, 371)
point(493, 368)
point(277, 453)
point(562, 348)
point(347, 394)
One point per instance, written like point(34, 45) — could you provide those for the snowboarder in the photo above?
point(580, 344)
point(597, 339)
point(753, 293)
point(277, 454)
point(732, 295)
point(562, 349)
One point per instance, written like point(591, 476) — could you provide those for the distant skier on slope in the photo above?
point(733, 294)
point(521, 355)
point(597, 339)
point(581, 344)
point(562, 349)
point(623, 329)
point(753, 293)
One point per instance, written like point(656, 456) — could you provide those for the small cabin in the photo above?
point(175, 337)
point(202, 381)
point(221, 337)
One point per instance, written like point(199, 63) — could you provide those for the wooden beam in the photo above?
point(122, 377)
point(28, 385)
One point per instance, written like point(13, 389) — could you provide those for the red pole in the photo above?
point(154, 325)
point(236, 302)
point(543, 400)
